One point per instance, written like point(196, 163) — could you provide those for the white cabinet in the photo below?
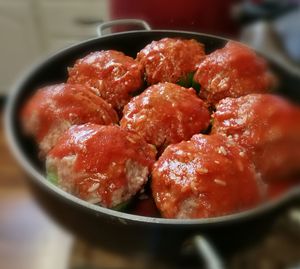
point(75, 18)
point(30, 28)
point(19, 43)
point(64, 22)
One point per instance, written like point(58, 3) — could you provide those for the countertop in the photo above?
point(28, 238)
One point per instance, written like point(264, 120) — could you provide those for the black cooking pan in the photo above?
point(124, 233)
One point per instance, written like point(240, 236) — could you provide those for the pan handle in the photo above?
point(108, 24)
point(207, 252)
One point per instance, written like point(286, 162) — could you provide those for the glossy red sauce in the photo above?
point(166, 113)
point(170, 59)
point(232, 71)
point(101, 155)
point(268, 126)
point(75, 104)
point(111, 74)
point(205, 177)
point(280, 187)
point(145, 207)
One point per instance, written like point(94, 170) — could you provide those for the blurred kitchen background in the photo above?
point(31, 29)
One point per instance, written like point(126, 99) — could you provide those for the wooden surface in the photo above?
point(28, 239)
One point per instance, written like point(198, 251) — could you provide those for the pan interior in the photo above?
point(54, 70)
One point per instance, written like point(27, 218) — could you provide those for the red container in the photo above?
point(211, 16)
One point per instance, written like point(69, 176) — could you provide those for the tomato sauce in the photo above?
point(205, 177)
point(170, 59)
point(111, 74)
point(75, 104)
point(280, 187)
point(267, 126)
point(166, 113)
point(232, 71)
point(102, 153)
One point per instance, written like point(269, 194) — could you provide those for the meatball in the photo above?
point(267, 126)
point(111, 74)
point(170, 59)
point(207, 176)
point(104, 165)
point(166, 113)
point(53, 109)
point(232, 71)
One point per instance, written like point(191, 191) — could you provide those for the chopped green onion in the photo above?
point(52, 177)
point(188, 82)
point(123, 206)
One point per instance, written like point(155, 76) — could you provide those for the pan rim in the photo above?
point(121, 216)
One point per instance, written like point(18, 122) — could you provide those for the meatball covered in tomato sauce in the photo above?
point(111, 74)
point(170, 59)
point(207, 176)
point(232, 71)
point(267, 126)
point(166, 113)
point(103, 165)
point(53, 109)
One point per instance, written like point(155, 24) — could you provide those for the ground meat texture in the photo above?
point(53, 109)
point(111, 74)
point(166, 113)
point(267, 126)
point(170, 59)
point(208, 176)
point(232, 71)
point(104, 165)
